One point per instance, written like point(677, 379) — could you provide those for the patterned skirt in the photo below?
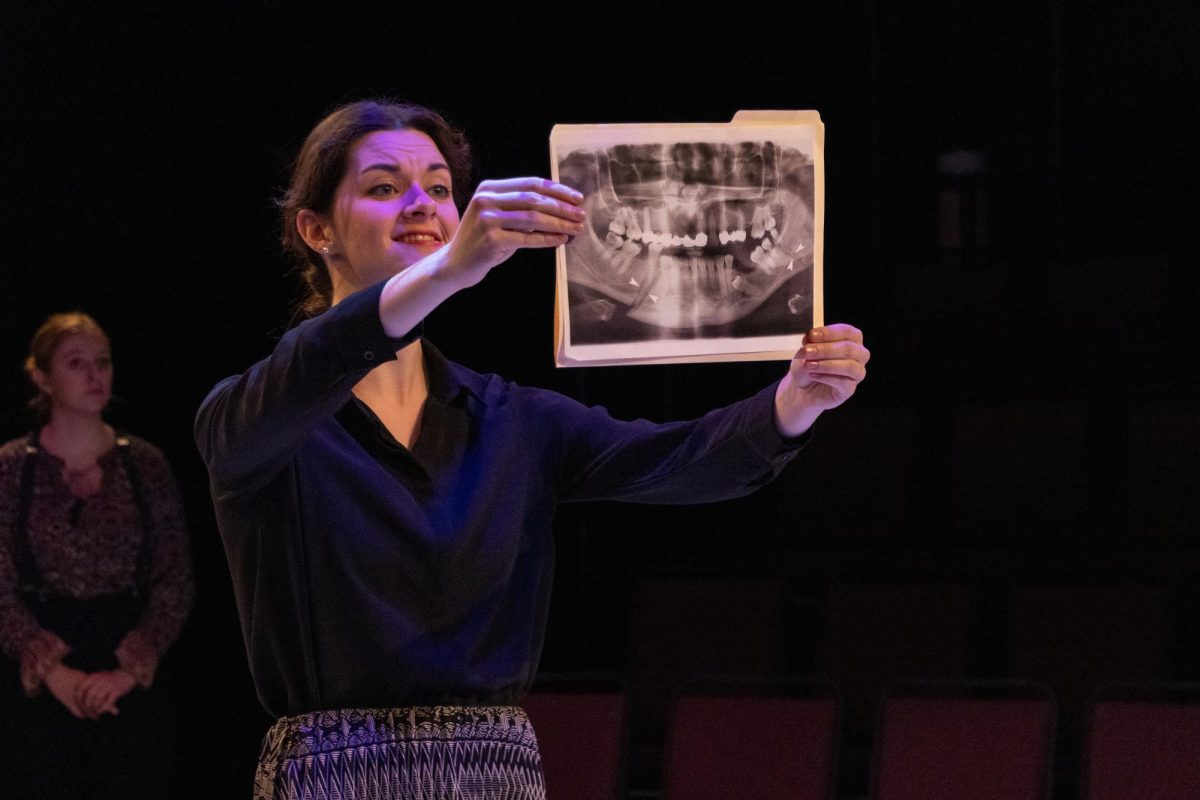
point(418, 753)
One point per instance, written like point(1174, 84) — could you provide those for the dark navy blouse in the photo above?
point(370, 575)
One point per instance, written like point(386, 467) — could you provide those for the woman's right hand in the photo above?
point(505, 216)
point(63, 682)
point(502, 218)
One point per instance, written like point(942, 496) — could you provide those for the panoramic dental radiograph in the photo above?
point(690, 239)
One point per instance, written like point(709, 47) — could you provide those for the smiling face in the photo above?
point(393, 207)
point(80, 373)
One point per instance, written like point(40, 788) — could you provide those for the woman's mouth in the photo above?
point(419, 238)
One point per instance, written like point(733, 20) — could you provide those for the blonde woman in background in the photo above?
point(95, 582)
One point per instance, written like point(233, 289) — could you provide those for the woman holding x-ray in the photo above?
point(387, 513)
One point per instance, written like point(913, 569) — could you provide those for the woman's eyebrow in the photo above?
point(393, 168)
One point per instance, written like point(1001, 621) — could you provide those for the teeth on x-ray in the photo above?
point(633, 229)
point(626, 227)
point(756, 226)
point(691, 234)
point(797, 304)
point(617, 226)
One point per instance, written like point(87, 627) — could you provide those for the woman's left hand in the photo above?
point(824, 374)
point(99, 692)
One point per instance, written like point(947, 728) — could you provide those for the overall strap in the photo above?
point(28, 573)
point(27, 568)
point(146, 551)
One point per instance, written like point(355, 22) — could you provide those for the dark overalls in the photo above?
point(61, 757)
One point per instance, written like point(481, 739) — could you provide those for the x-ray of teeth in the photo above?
point(702, 242)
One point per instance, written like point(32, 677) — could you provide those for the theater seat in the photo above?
point(752, 740)
point(977, 740)
point(581, 730)
point(1143, 741)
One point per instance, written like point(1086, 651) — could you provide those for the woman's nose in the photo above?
point(420, 204)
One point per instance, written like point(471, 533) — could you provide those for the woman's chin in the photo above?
point(415, 251)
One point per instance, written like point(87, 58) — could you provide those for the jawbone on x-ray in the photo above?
point(692, 233)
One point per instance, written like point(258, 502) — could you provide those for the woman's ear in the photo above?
point(315, 230)
point(41, 380)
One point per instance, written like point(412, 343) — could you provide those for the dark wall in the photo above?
point(1032, 409)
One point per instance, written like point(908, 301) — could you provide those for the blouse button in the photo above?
point(368, 355)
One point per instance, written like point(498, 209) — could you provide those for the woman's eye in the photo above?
point(439, 191)
point(383, 190)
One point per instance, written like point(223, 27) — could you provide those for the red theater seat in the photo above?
point(581, 731)
point(1144, 742)
point(727, 742)
point(983, 741)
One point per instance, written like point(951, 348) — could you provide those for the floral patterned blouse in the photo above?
point(88, 547)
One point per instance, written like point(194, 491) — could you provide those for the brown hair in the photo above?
point(321, 164)
point(46, 341)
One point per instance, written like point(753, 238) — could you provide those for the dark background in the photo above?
point(1031, 416)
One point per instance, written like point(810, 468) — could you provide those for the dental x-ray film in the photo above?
point(702, 243)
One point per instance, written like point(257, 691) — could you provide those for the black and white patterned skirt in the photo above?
point(419, 753)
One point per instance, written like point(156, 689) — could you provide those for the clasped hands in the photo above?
point(88, 695)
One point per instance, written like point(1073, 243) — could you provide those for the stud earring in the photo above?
point(325, 249)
